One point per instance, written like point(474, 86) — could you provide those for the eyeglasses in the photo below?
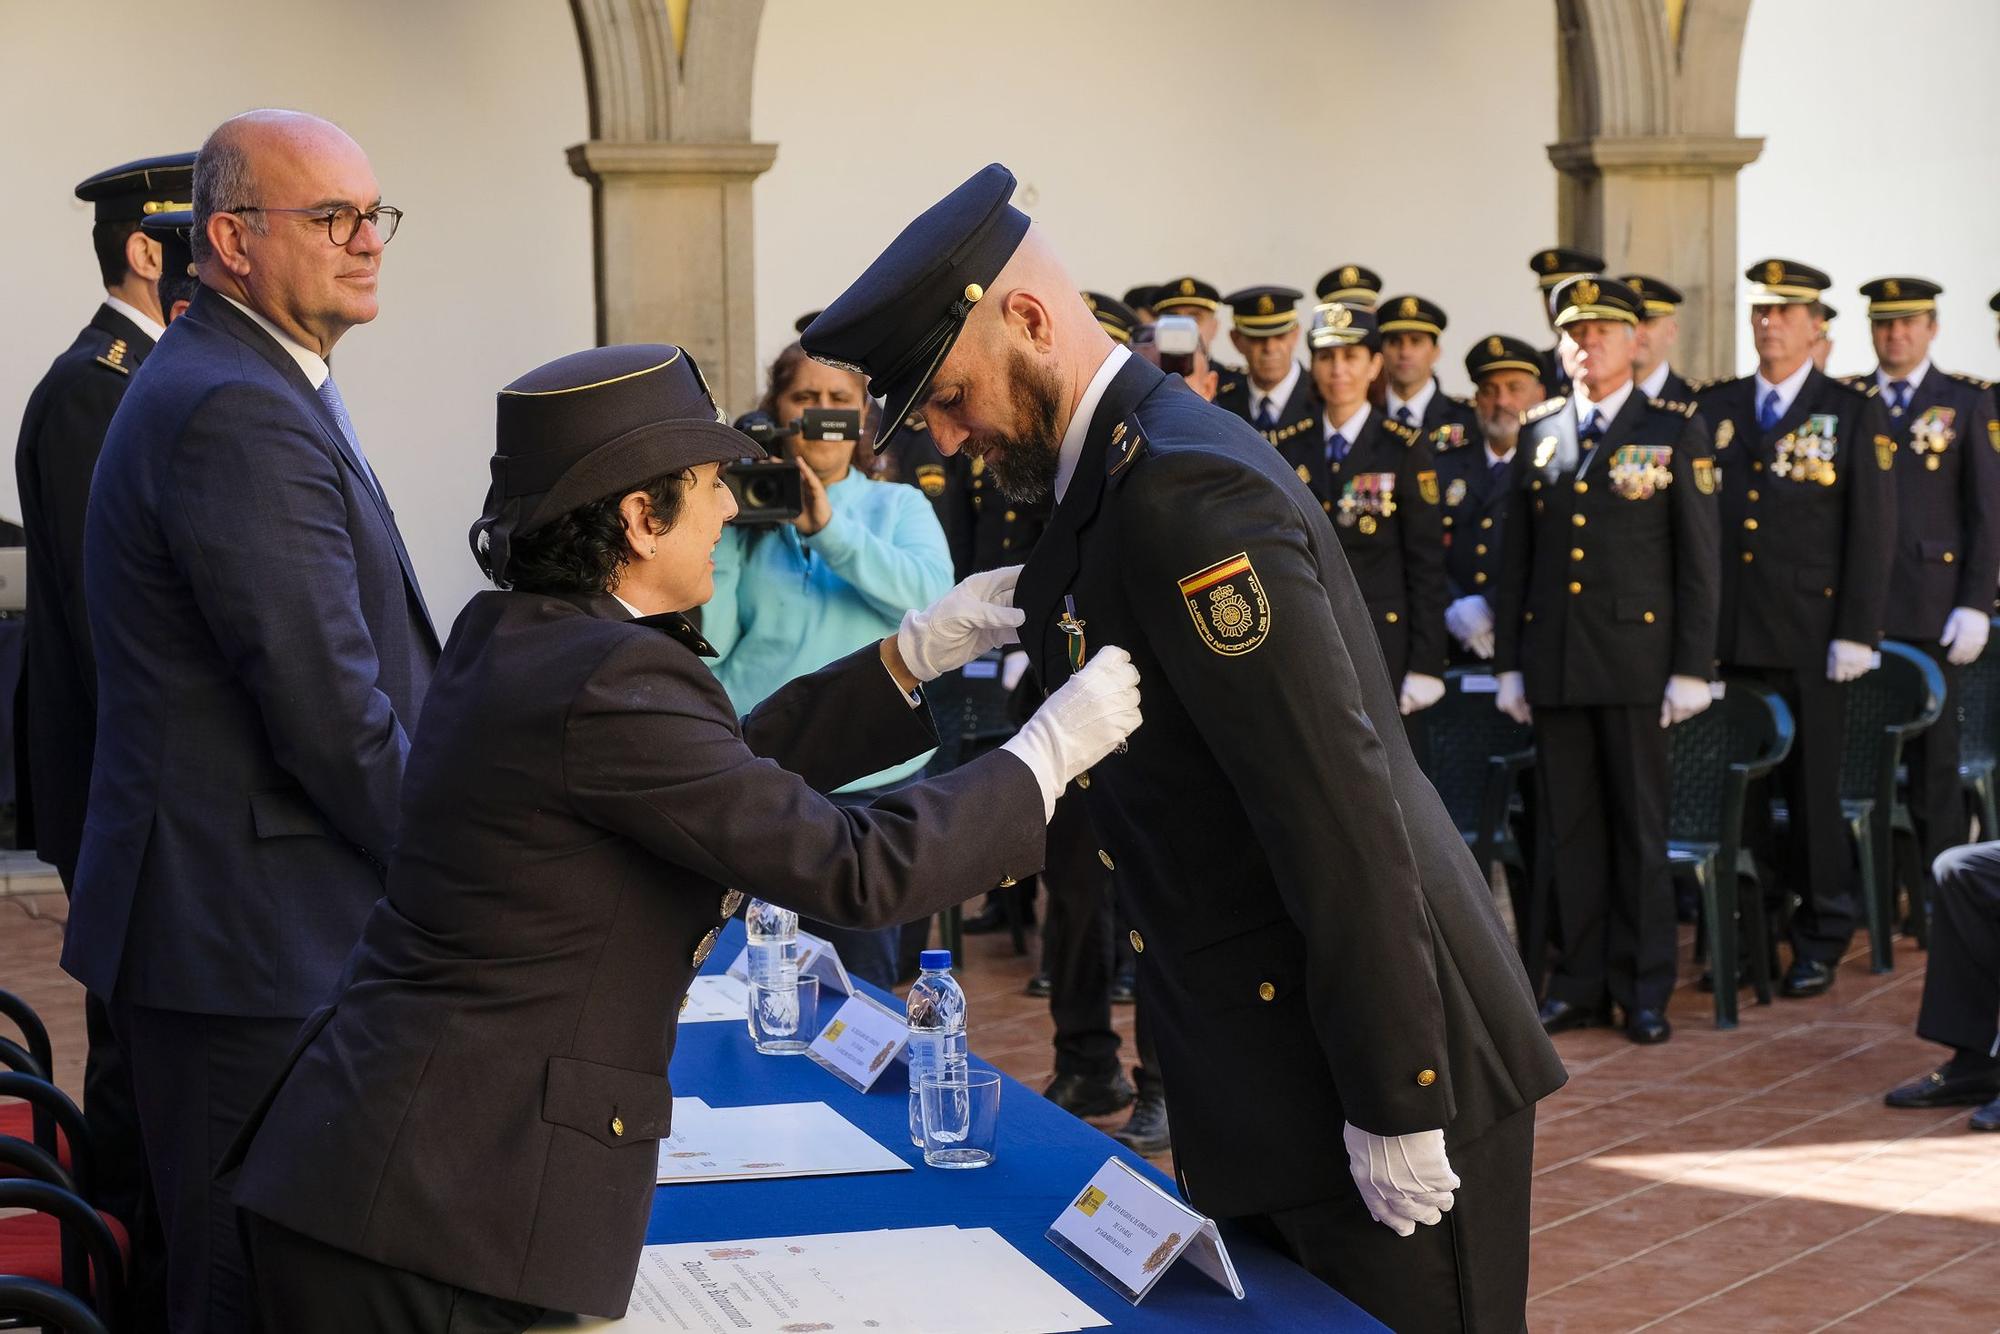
point(341, 221)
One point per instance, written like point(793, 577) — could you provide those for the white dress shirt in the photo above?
point(1654, 383)
point(1416, 405)
point(1278, 396)
point(1915, 378)
point(309, 361)
point(1079, 421)
point(1607, 411)
point(1787, 391)
point(148, 326)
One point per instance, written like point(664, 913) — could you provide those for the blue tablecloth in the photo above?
point(1044, 1157)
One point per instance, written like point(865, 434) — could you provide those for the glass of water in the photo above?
point(784, 1017)
point(961, 1112)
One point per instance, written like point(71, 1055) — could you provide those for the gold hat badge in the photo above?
point(1774, 272)
point(1265, 305)
point(1586, 293)
point(1349, 276)
point(1408, 308)
point(1494, 347)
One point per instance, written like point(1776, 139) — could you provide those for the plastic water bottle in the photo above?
point(936, 1017)
point(774, 946)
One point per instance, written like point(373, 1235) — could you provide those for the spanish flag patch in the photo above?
point(1227, 604)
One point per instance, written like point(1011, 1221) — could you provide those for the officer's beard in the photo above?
point(1024, 463)
point(1502, 430)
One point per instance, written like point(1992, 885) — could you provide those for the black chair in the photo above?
point(1713, 758)
point(27, 1303)
point(34, 1033)
point(1978, 704)
point(1885, 708)
point(55, 1124)
point(57, 1235)
point(1475, 755)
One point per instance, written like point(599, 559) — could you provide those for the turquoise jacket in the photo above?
point(786, 605)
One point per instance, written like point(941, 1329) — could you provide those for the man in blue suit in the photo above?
point(262, 651)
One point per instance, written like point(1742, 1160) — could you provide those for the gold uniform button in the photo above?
point(1528, 616)
point(1581, 488)
point(1757, 467)
point(1265, 991)
point(1011, 516)
point(1575, 588)
point(1752, 497)
point(1447, 521)
point(617, 1127)
point(1749, 556)
point(1138, 942)
point(1105, 857)
point(706, 947)
point(1426, 1078)
point(1947, 555)
point(1486, 523)
point(1577, 520)
point(1649, 618)
point(1479, 550)
point(1390, 617)
point(1006, 882)
point(1083, 781)
point(1576, 553)
point(1827, 591)
point(1479, 578)
point(1749, 525)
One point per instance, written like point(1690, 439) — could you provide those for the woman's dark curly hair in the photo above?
point(584, 550)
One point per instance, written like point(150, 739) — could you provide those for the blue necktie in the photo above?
point(1267, 416)
point(1767, 412)
point(1403, 415)
point(1899, 397)
point(1336, 447)
point(330, 395)
point(1593, 430)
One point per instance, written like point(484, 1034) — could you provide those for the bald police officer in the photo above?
point(1315, 941)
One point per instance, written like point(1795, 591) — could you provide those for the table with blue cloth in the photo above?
point(1044, 1157)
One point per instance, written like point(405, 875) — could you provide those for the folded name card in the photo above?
point(1127, 1231)
point(817, 957)
point(863, 1039)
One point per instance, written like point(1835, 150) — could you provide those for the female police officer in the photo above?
point(466, 1135)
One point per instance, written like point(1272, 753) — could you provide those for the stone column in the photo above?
point(670, 165)
point(1649, 154)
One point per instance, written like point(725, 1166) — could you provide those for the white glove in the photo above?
point(1403, 1179)
point(1686, 696)
point(1965, 635)
point(1080, 724)
point(1420, 692)
point(1512, 698)
point(1847, 660)
point(1013, 667)
point(1470, 620)
point(976, 617)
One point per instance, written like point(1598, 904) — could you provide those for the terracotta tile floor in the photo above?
point(1749, 1180)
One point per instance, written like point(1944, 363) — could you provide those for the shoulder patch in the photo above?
point(1227, 604)
point(1670, 405)
point(1409, 435)
point(1545, 408)
point(1128, 442)
point(1972, 380)
point(114, 357)
point(1857, 381)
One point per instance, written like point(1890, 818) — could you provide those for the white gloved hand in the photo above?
point(1013, 667)
point(1080, 724)
point(1847, 660)
point(1470, 620)
point(1420, 692)
point(977, 616)
point(1512, 698)
point(1964, 635)
point(1686, 696)
point(1403, 1179)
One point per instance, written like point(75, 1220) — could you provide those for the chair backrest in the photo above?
point(1977, 700)
point(1748, 725)
point(1461, 732)
point(47, 1306)
point(1906, 692)
point(971, 709)
point(34, 1033)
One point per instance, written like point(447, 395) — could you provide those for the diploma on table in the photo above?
point(716, 998)
point(941, 1280)
point(793, 1139)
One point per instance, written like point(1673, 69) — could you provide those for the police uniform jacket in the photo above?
point(1296, 423)
point(61, 434)
point(1609, 583)
point(1808, 521)
point(1947, 479)
point(1384, 502)
point(1313, 936)
point(1473, 500)
point(1449, 423)
point(483, 1099)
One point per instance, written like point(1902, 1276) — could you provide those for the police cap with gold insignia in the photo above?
point(1592, 296)
point(133, 190)
point(1785, 282)
point(897, 322)
point(1893, 298)
point(1556, 263)
point(1113, 316)
point(1185, 294)
point(1264, 312)
point(1141, 297)
point(1502, 352)
point(1411, 314)
point(593, 424)
point(1339, 324)
point(1355, 284)
point(1659, 298)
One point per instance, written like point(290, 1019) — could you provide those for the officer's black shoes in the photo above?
point(1145, 1133)
point(1806, 977)
point(1959, 1082)
point(1987, 1117)
point(1039, 985)
point(1124, 989)
point(1647, 1027)
point(1088, 1095)
point(1559, 1016)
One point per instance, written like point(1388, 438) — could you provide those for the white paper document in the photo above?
point(716, 998)
point(935, 1280)
point(793, 1139)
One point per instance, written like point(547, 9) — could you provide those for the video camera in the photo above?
point(770, 490)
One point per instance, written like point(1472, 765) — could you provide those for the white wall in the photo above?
point(465, 108)
point(1251, 142)
point(1881, 156)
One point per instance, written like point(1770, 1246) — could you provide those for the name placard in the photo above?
point(863, 1039)
point(817, 957)
point(1127, 1231)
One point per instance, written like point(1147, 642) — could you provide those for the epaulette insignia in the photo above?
point(114, 357)
point(1409, 435)
point(1874, 391)
point(1857, 381)
point(1541, 410)
point(1127, 444)
point(1284, 433)
point(1669, 405)
point(1972, 380)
